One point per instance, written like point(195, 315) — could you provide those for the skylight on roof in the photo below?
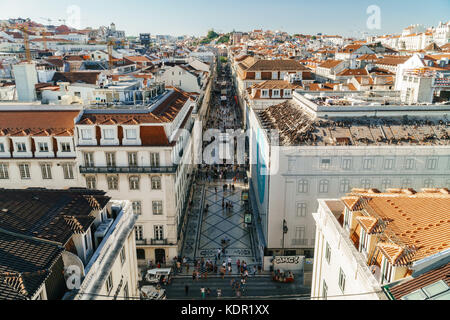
point(436, 288)
point(436, 291)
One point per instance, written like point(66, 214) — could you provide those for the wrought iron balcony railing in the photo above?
point(128, 169)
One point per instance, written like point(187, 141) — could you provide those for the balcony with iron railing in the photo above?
point(127, 169)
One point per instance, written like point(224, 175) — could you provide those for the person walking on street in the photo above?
point(238, 264)
point(203, 292)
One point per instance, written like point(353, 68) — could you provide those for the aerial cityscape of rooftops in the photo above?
point(241, 165)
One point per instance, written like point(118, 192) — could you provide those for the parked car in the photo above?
point(153, 293)
point(156, 276)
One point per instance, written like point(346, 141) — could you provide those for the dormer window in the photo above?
point(386, 272)
point(21, 147)
point(43, 146)
point(258, 75)
point(108, 134)
point(265, 93)
point(86, 134)
point(65, 147)
point(131, 134)
point(287, 93)
point(276, 93)
point(364, 241)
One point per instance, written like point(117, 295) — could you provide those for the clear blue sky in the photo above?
point(195, 17)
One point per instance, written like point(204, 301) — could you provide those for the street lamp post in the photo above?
point(285, 231)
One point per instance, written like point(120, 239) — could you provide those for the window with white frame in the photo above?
point(110, 159)
point(122, 256)
point(366, 183)
point(386, 272)
point(154, 159)
point(302, 209)
point(109, 283)
point(157, 208)
point(65, 147)
point(257, 75)
point(89, 159)
point(347, 218)
point(134, 183)
point(68, 171)
point(131, 134)
point(156, 183)
point(328, 253)
point(132, 159)
point(21, 147)
point(2, 147)
point(410, 164)
point(342, 280)
point(264, 93)
point(126, 293)
point(303, 186)
point(386, 184)
point(43, 146)
point(291, 164)
point(137, 207)
point(300, 235)
point(428, 183)
point(139, 233)
point(24, 169)
point(86, 134)
point(275, 93)
point(388, 164)
point(4, 171)
point(324, 186)
point(113, 182)
point(364, 243)
point(108, 134)
point(287, 93)
point(46, 170)
point(406, 183)
point(346, 164)
point(432, 163)
point(325, 291)
point(325, 163)
point(344, 186)
point(159, 232)
point(368, 164)
point(274, 75)
point(91, 183)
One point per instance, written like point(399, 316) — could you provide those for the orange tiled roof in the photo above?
point(23, 123)
point(420, 222)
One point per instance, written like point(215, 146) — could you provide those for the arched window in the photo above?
point(345, 186)
point(303, 186)
point(324, 186)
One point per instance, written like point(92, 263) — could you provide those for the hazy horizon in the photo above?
point(196, 17)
